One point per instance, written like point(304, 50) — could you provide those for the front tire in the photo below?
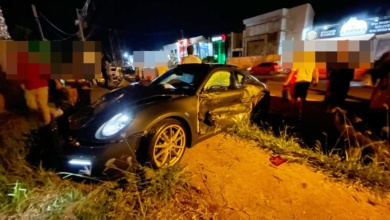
point(261, 110)
point(166, 143)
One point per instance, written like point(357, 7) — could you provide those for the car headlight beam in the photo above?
point(113, 126)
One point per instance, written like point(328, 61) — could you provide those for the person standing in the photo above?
point(303, 78)
point(191, 58)
point(289, 88)
point(338, 86)
point(105, 71)
point(56, 93)
point(36, 92)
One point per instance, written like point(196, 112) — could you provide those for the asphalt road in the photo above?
point(357, 92)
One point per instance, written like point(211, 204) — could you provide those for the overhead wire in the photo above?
point(67, 38)
point(58, 29)
point(84, 10)
point(134, 32)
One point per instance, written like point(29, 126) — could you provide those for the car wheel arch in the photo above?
point(179, 118)
point(143, 153)
point(144, 142)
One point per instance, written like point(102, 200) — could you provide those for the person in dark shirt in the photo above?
point(105, 71)
point(338, 87)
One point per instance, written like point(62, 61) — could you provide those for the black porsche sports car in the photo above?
point(154, 124)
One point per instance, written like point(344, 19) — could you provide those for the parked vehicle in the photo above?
point(358, 76)
point(154, 124)
point(129, 74)
point(267, 68)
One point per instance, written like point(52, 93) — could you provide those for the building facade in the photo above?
point(179, 48)
point(373, 29)
point(234, 45)
point(264, 34)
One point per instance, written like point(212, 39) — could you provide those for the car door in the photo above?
point(222, 102)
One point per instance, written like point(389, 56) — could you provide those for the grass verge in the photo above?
point(350, 168)
point(28, 192)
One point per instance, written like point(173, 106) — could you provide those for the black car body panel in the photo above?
point(204, 98)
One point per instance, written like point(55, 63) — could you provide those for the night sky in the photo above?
point(148, 24)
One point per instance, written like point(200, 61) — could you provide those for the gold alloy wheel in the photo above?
point(169, 146)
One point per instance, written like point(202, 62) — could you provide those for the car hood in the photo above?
point(130, 98)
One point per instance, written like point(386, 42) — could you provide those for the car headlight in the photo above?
point(113, 126)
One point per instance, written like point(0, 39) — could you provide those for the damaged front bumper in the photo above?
point(95, 159)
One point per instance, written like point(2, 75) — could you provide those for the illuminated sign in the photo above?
point(328, 33)
point(353, 27)
point(218, 38)
point(319, 34)
point(184, 42)
point(311, 35)
point(379, 26)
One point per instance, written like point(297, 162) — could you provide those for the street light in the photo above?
point(125, 58)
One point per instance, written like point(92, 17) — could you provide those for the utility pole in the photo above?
point(111, 36)
point(39, 24)
point(80, 22)
point(81, 14)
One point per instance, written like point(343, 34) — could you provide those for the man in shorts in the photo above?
point(304, 77)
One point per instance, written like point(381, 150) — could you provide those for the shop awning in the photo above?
point(358, 37)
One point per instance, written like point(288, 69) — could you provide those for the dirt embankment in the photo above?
point(240, 182)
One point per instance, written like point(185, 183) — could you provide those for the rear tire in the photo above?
point(166, 143)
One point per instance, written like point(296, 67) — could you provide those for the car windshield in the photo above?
point(180, 79)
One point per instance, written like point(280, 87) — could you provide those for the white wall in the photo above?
point(290, 23)
point(174, 47)
point(263, 24)
point(381, 45)
point(302, 17)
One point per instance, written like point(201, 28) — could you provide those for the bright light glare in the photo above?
point(124, 118)
point(115, 124)
point(79, 162)
point(125, 55)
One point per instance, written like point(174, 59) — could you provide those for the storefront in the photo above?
point(373, 29)
point(204, 49)
point(182, 44)
point(179, 49)
point(219, 48)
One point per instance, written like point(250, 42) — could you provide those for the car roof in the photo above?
point(268, 63)
point(204, 66)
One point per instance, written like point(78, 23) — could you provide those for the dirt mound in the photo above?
point(241, 183)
